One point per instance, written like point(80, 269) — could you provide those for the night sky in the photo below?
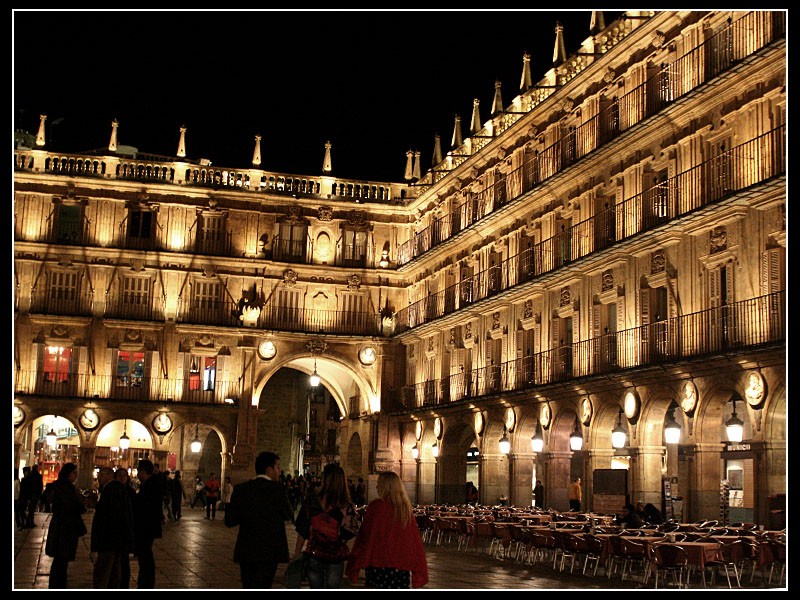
point(374, 83)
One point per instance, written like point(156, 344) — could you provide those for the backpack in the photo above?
point(324, 542)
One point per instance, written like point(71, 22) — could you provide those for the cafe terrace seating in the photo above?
point(671, 559)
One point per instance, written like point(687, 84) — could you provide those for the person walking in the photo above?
point(574, 494)
point(388, 546)
point(199, 492)
point(227, 490)
point(331, 511)
point(148, 517)
point(260, 507)
point(538, 494)
point(112, 530)
point(177, 494)
point(361, 492)
point(66, 524)
point(121, 475)
point(33, 488)
point(212, 496)
point(19, 518)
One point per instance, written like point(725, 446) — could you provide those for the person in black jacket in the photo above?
point(260, 507)
point(148, 516)
point(112, 530)
point(630, 519)
point(121, 475)
point(66, 525)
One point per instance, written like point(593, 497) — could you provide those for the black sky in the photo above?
point(374, 83)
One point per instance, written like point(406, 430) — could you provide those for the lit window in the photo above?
point(57, 362)
point(202, 372)
point(130, 369)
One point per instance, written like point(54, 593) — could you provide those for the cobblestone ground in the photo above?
point(196, 553)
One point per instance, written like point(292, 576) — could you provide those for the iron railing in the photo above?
point(733, 170)
point(668, 83)
point(746, 324)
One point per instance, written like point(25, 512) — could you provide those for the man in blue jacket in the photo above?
point(261, 508)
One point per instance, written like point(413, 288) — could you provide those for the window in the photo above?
point(63, 287)
point(68, 223)
point(354, 247)
point(212, 234)
point(205, 294)
point(140, 224)
point(202, 373)
point(57, 364)
point(136, 292)
point(130, 369)
point(291, 242)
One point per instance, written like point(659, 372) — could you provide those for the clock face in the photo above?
point(437, 428)
point(754, 390)
point(267, 350)
point(162, 423)
point(478, 420)
point(511, 419)
point(367, 355)
point(586, 411)
point(19, 416)
point(545, 415)
point(89, 419)
point(688, 397)
point(631, 406)
point(418, 431)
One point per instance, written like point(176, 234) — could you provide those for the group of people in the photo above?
point(210, 492)
point(634, 517)
point(331, 543)
point(125, 521)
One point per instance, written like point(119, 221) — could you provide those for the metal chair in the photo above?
point(778, 550)
point(634, 553)
point(542, 546)
point(670, 559)
point(732, 555)
point(594, 550)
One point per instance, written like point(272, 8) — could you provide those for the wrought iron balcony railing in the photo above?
point(746, 324)
point(145, 389)
point(740, 39)
point(734, 170)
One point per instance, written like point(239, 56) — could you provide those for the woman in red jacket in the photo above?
point(389, 546)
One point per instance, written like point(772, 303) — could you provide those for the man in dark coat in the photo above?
point(32, 487)
point(112, 530)
point(260, 507)
point(147, 523)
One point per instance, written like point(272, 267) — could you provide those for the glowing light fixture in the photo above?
point(505, 443)
point(51, 437)
point(576, 437)
point(124, 440)
point(619, 435)
point(435, 449)
point(672, 429)
point(314, 378)
point(734, 426)
point(537, 440)
point(196, 443)
point(415, 452)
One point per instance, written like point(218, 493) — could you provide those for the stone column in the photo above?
point(85, 467)
point(427, 480)
point(645, 479)
point(704, 476)
point(494, 479)
point(557, 479)
point(522, 478)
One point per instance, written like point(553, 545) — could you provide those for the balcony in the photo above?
point(670, 82)
point(736, 170)
point(144, 389)
point(747, 324)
